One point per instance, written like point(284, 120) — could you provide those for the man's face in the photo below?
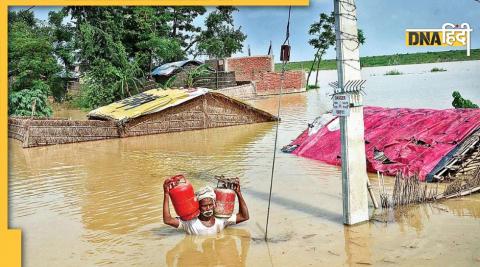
point(206, 207)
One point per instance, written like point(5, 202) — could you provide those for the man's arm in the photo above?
point(242, 214)
point(167, 218)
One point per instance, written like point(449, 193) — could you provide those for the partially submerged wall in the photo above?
point(261, 71)
point(34, 132)
point(271, 82)
point(247, 68)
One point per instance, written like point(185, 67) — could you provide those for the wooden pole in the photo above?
point(372, 196)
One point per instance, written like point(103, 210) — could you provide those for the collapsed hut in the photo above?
point(432, 145)
point(151, 112)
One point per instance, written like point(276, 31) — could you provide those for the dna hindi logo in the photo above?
point(449, 35)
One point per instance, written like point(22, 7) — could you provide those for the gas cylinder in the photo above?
point(225, 200)
point(183, 198)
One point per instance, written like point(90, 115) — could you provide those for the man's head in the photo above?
point(206, 199)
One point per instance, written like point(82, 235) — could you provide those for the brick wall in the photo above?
point(270, 82)
point(247, 68)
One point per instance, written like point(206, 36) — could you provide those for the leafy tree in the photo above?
point(116, 48)
point(120, 45)
point(183, 28)
point(324, 37)
point(220, 38)
point(25, 16)
point(361, 37)
point(460, 102)
point(63, 48)
point(324, 33)
point(33, 68)
point(146, 37)
point(111, 73)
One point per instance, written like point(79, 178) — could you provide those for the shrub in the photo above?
point(437, 69)
point(393, 72)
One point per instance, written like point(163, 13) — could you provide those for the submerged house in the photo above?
point(185, 70)
point(160, 111)
point(151, 112)
point(432, 144)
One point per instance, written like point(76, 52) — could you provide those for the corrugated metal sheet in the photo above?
point(169, 68)
point(396, 139)
point(148, 102)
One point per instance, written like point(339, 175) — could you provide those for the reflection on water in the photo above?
point(99, 203)
point(357, 244)
point(121, 180)
point(227, 249)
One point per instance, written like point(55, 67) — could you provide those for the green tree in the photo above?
point(25, 16)
point(147, 37)
point(220, 38)
point(32, 64)
point(323, 32)
point(119, 46)
point(63, 48)
point(183, 28)
point(110, 73)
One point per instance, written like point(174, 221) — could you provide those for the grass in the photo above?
point(389, 60)
point(393, 72)
point(437, 69)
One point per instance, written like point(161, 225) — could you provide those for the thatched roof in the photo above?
point(157, 100)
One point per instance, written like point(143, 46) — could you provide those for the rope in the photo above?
point(284, 63)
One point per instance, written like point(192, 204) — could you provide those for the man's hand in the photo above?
point(242, 214)
point(236, 187)
point(167, 185)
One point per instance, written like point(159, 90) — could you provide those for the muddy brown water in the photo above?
point(100, 203)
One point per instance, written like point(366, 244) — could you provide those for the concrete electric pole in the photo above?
point(354, 173)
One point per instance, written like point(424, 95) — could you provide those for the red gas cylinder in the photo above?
point(225, 202)
point(183, 198)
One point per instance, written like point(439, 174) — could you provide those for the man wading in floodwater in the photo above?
point(206, 223)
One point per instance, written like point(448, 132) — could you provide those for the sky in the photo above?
point(383, 22)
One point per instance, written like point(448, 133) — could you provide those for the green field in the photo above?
point(388, 60)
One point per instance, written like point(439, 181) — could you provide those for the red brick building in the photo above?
point(261, 71)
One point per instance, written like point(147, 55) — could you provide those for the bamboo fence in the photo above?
point(34, 132)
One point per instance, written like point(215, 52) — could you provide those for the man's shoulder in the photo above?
point(192, 221)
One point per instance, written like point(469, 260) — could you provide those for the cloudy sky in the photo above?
point(384, 23)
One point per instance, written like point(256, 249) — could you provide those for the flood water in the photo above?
point(100, 203)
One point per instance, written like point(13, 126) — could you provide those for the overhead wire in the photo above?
point(284, 63)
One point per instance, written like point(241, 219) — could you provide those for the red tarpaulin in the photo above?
point(396, 139)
